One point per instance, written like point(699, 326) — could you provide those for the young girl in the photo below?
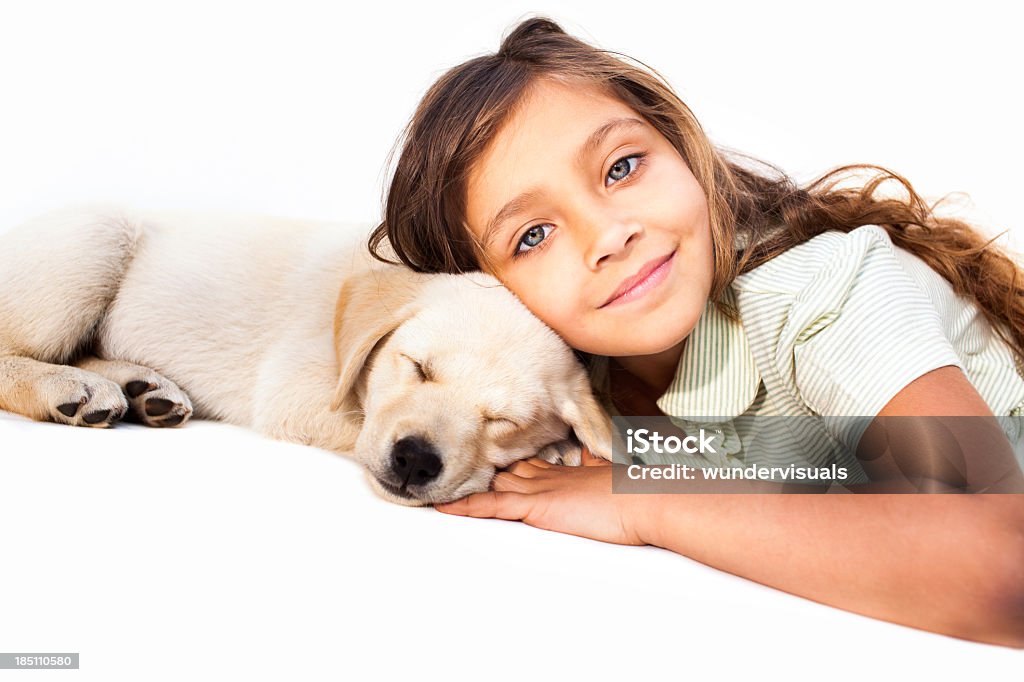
point(696, 284)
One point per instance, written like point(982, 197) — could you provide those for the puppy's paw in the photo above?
point(565, 452)
point(85, 399)
point(157, 401)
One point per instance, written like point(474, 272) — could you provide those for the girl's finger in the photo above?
point(505, 481)
point(526, 468)
point(490, 505)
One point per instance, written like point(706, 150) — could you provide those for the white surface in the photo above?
point(208, 552)
point(211, 553)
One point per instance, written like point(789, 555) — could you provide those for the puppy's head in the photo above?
point(455, 378)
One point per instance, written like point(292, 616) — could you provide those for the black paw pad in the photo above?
point(173, 420)
point(69, 409)
point(136, 388)
point(158, 406)
point(95, 417)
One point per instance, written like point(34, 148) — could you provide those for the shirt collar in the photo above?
point(717, 376)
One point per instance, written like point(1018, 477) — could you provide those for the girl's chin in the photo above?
point(625, 339)
point(634, 346)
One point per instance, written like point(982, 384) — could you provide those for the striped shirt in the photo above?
point(831, 328)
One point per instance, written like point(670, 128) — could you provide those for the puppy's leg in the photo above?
point(565, 452)
point(68, 395)
point(58, 275)
point(154, 399)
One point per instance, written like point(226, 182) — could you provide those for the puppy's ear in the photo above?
point(370, 306)
point(578, 408)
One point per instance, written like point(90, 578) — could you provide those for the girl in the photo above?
point(697, 284)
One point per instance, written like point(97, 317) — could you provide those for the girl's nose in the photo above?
point(604, 240)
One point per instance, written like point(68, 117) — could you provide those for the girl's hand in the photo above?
point(574, 500)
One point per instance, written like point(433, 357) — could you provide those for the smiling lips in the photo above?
point(650, 275)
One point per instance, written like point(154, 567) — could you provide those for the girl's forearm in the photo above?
point(952, 564)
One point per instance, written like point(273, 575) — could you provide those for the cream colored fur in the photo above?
point(287, 327)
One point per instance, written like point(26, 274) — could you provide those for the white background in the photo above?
point(210, 553)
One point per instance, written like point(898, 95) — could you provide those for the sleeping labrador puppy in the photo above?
point(288, 327)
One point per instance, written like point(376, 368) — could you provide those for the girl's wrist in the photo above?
point(649, 517)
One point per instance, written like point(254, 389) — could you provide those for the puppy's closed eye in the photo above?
point(499, 426)
point(423, 370)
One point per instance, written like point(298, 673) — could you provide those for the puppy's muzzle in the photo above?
point(414, 461)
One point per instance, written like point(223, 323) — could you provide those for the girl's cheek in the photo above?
point(552, 305)
point(550, 291)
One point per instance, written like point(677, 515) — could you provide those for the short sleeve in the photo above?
point(861, 330)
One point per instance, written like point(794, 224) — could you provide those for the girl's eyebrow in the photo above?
point(520, 202)
point(606, 129)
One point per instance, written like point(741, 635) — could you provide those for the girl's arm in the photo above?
point(952, 564)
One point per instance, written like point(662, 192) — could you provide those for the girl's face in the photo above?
point(592, 218)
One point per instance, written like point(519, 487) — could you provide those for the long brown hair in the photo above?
point(756, 210)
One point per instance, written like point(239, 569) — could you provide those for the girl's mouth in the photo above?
point(650, 275)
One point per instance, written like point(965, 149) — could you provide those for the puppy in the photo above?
point(290, 328)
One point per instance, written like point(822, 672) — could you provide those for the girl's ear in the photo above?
point(371, 305)
point(578, 408)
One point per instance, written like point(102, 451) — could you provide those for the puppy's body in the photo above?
point(259, 353)
point(269, 323)
point(238, 310)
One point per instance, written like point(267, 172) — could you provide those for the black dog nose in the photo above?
point(415, 461)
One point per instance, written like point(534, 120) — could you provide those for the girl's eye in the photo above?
point(623, 168)
point(532, 237)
